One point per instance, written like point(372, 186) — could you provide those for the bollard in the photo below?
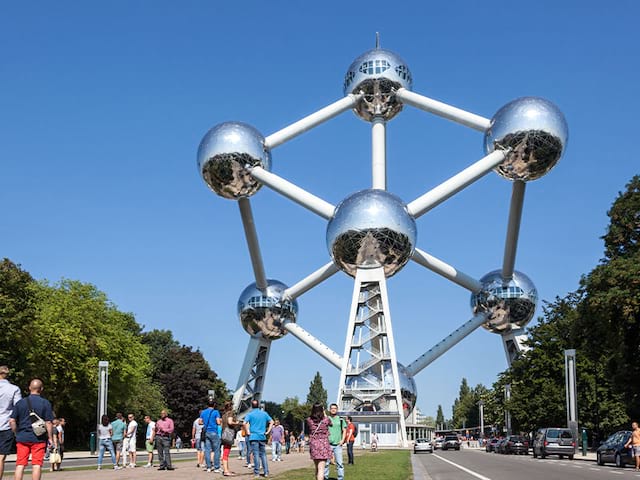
point(584, 442)
point(92, 443)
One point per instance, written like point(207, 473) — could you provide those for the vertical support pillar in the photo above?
point(103, 388)
point(513, 342)
point(507, 413)
point(571, 391)
point(251, 380)
point(370, 388)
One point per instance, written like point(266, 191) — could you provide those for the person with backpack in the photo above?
point(337, 438)
point(31, 421)
point(352, 433)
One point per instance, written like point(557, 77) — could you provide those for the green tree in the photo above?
point(295, 413)
point(317, 392)
point(76, 326)
point(184, 378)
point(440, 417)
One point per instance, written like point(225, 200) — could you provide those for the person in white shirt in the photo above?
point(129, 444)
point(9, 396)
point(149, 438)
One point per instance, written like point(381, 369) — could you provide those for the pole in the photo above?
point(103, 394)
point(571, 391)
point(481, 407)
point(507, 413)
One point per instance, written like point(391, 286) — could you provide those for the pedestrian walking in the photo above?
point(337, 438)
point(258, 425)
point(319, 448)
point(634, 443)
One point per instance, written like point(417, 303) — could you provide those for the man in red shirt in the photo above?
point(164, 432)
point(352, 431)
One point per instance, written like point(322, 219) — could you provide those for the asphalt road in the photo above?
point(477, 464)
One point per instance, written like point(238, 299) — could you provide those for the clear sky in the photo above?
point(103, 105)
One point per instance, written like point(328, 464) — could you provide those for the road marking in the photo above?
point(470, 472)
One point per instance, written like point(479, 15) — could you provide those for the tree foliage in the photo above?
point(317, 392)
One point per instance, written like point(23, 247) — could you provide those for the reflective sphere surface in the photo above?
point(263, 313)
point(224, 154)
point(509, 304)
point(536, 131)
point(369, 229)
point(380, 377)
point(377, 74)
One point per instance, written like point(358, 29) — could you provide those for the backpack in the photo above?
point(355, 430)
point(38, 425)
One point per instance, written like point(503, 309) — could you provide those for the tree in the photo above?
point(317, 392)
point(294, 413)
point(184, 378)
point(440, 417)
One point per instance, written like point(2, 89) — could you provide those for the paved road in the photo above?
point(476, 464)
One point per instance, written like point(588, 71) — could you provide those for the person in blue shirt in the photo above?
point(258, 424)
point(210, 420)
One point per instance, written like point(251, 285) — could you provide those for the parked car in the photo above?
point(515, 444)
point(612, 450)
point(491, 444)
point(437, 443)
point(451, 441)
point(554, 441)
point(422, 445)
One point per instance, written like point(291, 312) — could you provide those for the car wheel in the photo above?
point(599, 459)
point(619, 462)
point(560, 457)
point(570, 457)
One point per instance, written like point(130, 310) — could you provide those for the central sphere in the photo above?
point(370, 229)
point(262, 312)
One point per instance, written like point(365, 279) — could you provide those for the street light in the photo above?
point(481, 408)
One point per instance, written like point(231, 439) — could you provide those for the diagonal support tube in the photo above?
point(443, 110)
point(379, 153)
point(252, 242)
point(293, 192)
point(314, 344)
point(513, 229)
point(307, 283)
point(447, 271)
point(450, 187)
point(310, 121)
point(445, 344)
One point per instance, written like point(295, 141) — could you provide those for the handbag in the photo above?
point(54, 456)
point(38, 425)
point(228, 436)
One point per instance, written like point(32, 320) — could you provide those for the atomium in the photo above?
point(226, 154)
point(377, 74)
point(263, 312)
point(370, 229)
point(380, 377)
point(509, 304)
point(534, 130)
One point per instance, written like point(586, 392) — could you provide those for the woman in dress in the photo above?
point(318, 429)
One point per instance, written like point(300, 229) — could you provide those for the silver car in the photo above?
point(554, 441)
point(422, 445)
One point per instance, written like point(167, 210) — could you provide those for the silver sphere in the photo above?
point(224, 156)
point(377, 378)
point(377, 74)
point(509, 304)
point(264, 312)
point(370, 229)
point(536, 132)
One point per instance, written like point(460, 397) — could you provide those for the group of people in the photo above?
point(119, 438)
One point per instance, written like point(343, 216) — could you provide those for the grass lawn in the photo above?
point(383, 465)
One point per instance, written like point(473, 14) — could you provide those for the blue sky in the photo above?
point(103, 105)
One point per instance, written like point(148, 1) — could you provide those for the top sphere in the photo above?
point(262, 312)
point(225, 155)
point(510, 304)
point(377, 74)
point(370, 229)
point(536, 132)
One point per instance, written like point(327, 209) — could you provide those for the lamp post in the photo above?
point(481, 408)
point(507, 413)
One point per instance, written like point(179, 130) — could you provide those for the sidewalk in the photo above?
point(184, 470)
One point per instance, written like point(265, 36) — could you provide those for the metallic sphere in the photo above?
point(225, 155)
point(369, 229)
point(264, 312)
point(510, 304)
point(377, 74)
point(380, 377)
point(536, 132)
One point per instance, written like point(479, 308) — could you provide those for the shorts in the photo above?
point(129, 445)
point(199, 445)
point(148, 445)
point(117, 445)
point(635, 450)
point(6, 442)
point(36, 449)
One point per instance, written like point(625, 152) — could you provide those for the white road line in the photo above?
point(470, 472)
point(594, 469)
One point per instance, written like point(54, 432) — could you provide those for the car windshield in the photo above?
point(558, 434)
point(516, 438)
